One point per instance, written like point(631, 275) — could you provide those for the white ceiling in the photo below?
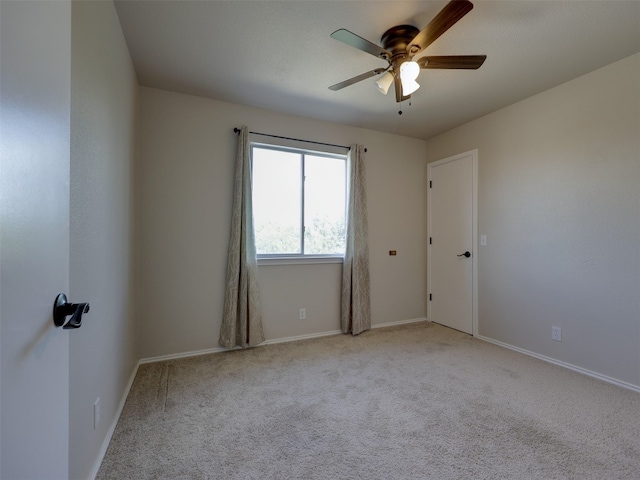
point(278, 54)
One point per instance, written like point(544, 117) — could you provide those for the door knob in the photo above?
point(62, 309)
point(465, 254)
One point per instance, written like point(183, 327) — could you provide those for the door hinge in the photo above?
point(430, 242)
point(430, 184)
point(430, 297)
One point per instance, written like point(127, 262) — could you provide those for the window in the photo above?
point(298, 202)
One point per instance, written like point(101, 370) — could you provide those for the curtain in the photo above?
point(241, 318)
point(356, 302)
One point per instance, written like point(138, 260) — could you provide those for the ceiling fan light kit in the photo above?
point(384, 82)
point(409, 71)
point(401, 43)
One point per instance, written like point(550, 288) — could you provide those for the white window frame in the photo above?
point(300, 147)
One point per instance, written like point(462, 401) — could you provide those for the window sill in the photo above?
point(306, 260)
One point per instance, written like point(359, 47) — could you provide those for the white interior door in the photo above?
point(35, 69)
point(452, 235)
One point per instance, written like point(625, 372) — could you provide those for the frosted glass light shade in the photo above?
point(384, 82)
point(409, 86)
point(409, 71)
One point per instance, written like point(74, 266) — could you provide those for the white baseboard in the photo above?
point(337, 332)
point(114, 423)
point(173, 356)
point(560, 363)
point(399, 322)
point(301, 337)
point(207, 351)
point(273, 341)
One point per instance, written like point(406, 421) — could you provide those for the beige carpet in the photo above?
point(414, 402)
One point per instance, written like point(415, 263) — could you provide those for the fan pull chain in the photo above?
point(400, 111)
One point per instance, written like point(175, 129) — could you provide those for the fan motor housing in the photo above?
point(397, 38)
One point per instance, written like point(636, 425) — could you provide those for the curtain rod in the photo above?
point(237, 130)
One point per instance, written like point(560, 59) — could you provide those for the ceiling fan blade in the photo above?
point(360, 43)
point(448, 16)
point(468, 62)
point(357, 79)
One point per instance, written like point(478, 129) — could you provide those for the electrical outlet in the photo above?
point(96, 413)
point(303, 313)
point(556, 334)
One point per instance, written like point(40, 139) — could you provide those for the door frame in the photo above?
point(474, 229)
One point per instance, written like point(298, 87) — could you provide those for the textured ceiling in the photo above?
point(278, 54)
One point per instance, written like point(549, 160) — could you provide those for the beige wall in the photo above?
point(187, 148)
point(104, 94)
point(559, 201)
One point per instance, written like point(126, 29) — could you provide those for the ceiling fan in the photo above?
point(403, 42)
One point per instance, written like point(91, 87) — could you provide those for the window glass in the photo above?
point(277, 209)
point(324, 204)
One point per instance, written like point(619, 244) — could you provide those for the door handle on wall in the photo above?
point(465, 254)
point(62, 309)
